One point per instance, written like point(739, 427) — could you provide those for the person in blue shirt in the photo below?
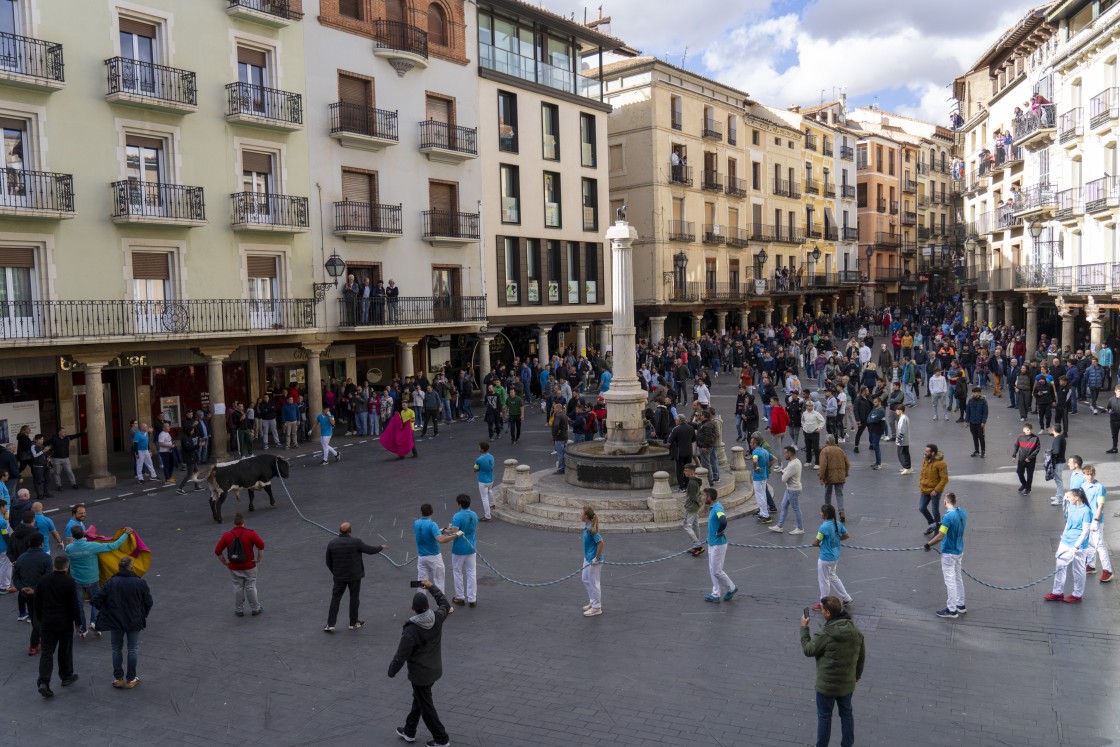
point(828, 540)
point(605, 381)
point(77, 519)
point(429, 561)
point(760, 462)
point(5, 564)
point(951, 539)
point(1098, 546)
point(592, 563)
point(325, 420)
point(723, 588)
point(1071, 548)
point(85, 569)
point(484, 466)
point(141, 447)
point(46, 527)
point(464, 524)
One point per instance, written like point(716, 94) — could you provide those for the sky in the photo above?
point(785, 52)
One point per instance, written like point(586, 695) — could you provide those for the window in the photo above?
point(550, 130)
point(554, 277)
point(350, 9)
point(511, 257)
point(507, 122)
point(139, 53)
point(573, 272)
point(437, 25)
point(151, 288)
point(263, 290)
point(552, 216)
point(355, 107)
point(754, 137)
point(756, 175)
point(587, 139)
point(615, 162)
point(446, 285)
point(533, 270)
point(890, 162)
point(591, 273)
point(256, 186)
point(861, 194)
point(252, 73)
point(590, 205)
point(144, 165)
point(676, 114)
point(710, 277)
point(359, 193)
point(511, 194)
point(732, 129)
point(14, 190)
point(17, 290)
point(733, 274)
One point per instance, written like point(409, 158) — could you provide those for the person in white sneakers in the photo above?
point(939, 390)
point(1071, 548)
point(902, 439)
point(592, 563)
point(791, 478)
point(1098, 546)
point(951, 539)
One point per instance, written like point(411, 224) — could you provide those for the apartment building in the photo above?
point(545, 181)
point(154, 218)
point(392, 127)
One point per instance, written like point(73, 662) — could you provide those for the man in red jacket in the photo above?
point(779, 420)
point(238, 545)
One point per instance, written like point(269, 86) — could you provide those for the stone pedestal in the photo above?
point(662, 503)
point(1030, 304)
point(739, 466)
point(721, 450)
point(626, 400)
point(522, 493)
point(542, 345)
point(1067, 316)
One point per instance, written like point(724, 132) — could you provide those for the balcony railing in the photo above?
point(829, 190)
point(781, 187)
point(34, 58)
point(849, 277)
point(682, 230)
point(684, 292)
point(810, 142)
point(761, 232)
point(148, 81)
point(826, 149)
point(894, 207)
point(909, 246)
point(812, 186)
point(910, 185)
point(449, 224)
point(51, 320)
point(924, 201)
point(885, 240)
point(1061, 280)
point(923, 233)
point(677, 124)
point(1102, 194)
point(724, 291)
point(822, 280)
point(159, 202)
point(260, 209)
point(558, 78)
point(714, 234)
point(401, 37)
point(812, 232)
point(279, 8)
point(680, 174)
point(881, 205)
point(909, 218)
point(887, 274)
point(266, 103)
point(1030, 122)
point(30, 192)
point(789, 235)
point(359, 119)
point(847, 191)
point(712, 129)
point(1033, 276)
point(1069, 204)
point(738, 237)
point(411, 311)
point(847, 153)
point(832, 233)
point(1070, 125)
point(849, 233)
point(736, 187)
point(710, 180)
point(435, 134)
point(364, 217)
point(1091, 278)
point(1037, 197)
point(1104, 107)
point(1008, 157)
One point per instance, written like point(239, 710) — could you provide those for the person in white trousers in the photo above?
point(142, 448)
point(717, 550)
point(6, 532)
point(828, 539)
point(951, 539)
point(464, 524)
point(325, 421)
point(939, 390)
point(1098, 546)
point(1071, 548)
point(429, 560)
point(592, 563)
point(484, 466)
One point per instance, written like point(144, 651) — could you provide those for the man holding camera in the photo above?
point(420, 649)
point(839, 650)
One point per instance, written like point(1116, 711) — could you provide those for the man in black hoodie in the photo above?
point(56, 610)
point(420, 649)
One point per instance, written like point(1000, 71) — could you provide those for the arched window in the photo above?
point(437, 25)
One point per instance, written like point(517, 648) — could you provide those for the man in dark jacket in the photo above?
point(1025, 454)
point(56, 609)
point(839, 650)
point(559, 432)
point(344, 560)
point(976, 415)
point(33, 565)
point(420, 649)
point(123, 604)
point(60, 457)
point(680, 443)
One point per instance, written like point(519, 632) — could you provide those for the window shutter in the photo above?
point(140, 28)
point(356, 186)
point(353, 90)
point(150, 266)
point(500, 243)
point(260, 163)
point(143, 142)
point(441, 197)
point(23, 257)
point(261, 267)
point(350, 8)
point(7, 123)
point(438, 109)
point(249, 56)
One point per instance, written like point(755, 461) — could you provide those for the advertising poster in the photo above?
point(15, 415)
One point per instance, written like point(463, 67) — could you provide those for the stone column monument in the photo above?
point(626, 400)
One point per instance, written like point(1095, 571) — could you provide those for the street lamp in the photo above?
point(334, 266)
point(1036, 229)
point(814, 255)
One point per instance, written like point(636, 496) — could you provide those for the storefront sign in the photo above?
point(275, 356)
point(15, 415)
point(66, 363)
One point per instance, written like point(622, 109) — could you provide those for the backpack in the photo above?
point(236, 550)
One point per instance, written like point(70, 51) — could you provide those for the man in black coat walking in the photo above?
point(56, 609)
point(31, 567)
point(123, 604)
point(345, 562)
point(680, 448)
point(420, 649)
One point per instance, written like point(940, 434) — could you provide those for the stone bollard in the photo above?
point(739, 469)
point(522, 492)
point(721, 450)
point(702, 474)
point(661, 503)
point(509, 476)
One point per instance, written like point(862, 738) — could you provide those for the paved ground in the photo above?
point(659, 667)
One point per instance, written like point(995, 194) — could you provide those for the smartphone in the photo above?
point(807, 612)
point(419, 584)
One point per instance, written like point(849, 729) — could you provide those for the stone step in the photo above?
point(737, 507)
point(572, 513)
point(599, 504)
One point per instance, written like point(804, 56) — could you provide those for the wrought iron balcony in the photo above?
point(894, 207)
point(1070, 126)
point(272, 13)
point(812, 232)
point(680, 174)
point(723, 291)
point(151, 86)
point(264, 107)
point(822, 280)
point(909, 218)
point(887, 274)
point(847, 191)
point(365, 221)
point(1033, 276)
point(54, 320)
point(1037, 198)
point(736, 187)
point(826, 148)
point(829, 190)
point(451, 226)
point(761, 232)
point(1091, 278)
point(713, 234)
point(1104, 107)
point(909, 185)
point(832, 233)
point(260, 211)
point(850, 277)
point(712, 129)
point(710, 180)
point(410, 311)
point(847, 153)
point(881, 205)
point(738, 238)
point(159, 204)
point(361, 126)
point(909, 247)
point(31, 63)
point(682, 230)
point(923, 233)
point(1031, 127)
point(789, 235)
point(684, 292)
point(812, 186)
point(36, 194)
point(850, 233)
point(810, 141)
point(885, 240)
point(1069, 204)
point(400, 37)
point(440, 141)
point(785, 188)
point(1102, 194)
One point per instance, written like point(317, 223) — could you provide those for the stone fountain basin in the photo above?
point(589, 466)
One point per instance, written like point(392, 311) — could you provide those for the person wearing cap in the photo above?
point(420, 649)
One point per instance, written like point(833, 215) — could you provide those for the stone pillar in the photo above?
point(219, 436)
point(966, 308)
point(993, 311)
point(744, 318)
point(1009, 312)
point(721, 321)
point(768, 315)
point(1029, 303)
point(1067, 314)
point(484, 355)
point(99, 476)
point(581, 338)
point(739, 466)
point(818, 306)
point(697, 322)
point(626, 400)
point(661, 502)
point(784, 316)
point(315, 380)
point(542, 344)
point(509, 476)
point(1096, 333)
point(522, 492)
point(408, 364)
point(605, 338)
point(980, 310)
point(656, 329)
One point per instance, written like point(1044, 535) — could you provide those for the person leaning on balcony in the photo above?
point(350, 292)
point(392, 294)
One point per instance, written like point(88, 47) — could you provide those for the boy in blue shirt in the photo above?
point(828, 539)
point(429, 561)
point(760, 459)
point(464, 524)
point(1071, 548)
point(717, 550)
point(951, 539)
point(484, 466)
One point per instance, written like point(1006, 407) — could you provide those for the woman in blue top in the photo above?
point(1071, 548)
point(592, 562)
point(828, 540)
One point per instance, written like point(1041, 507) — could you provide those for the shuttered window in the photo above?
point(394, 10)
point(261, 267)
point(438, 109)
point(140, 28)
point(150, 266)
point(7, 123)
point(353, 90)
point(139, 141)
point(259, 163)
point(441, 196)
point(358, 186)
point(254, 57)
point(22, 257)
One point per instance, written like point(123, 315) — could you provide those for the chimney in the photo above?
point(796, 109)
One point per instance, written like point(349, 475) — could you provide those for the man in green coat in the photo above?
point(840, 653)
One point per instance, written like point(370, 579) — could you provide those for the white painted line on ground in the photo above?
point(124, 495)
point(101, 500)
